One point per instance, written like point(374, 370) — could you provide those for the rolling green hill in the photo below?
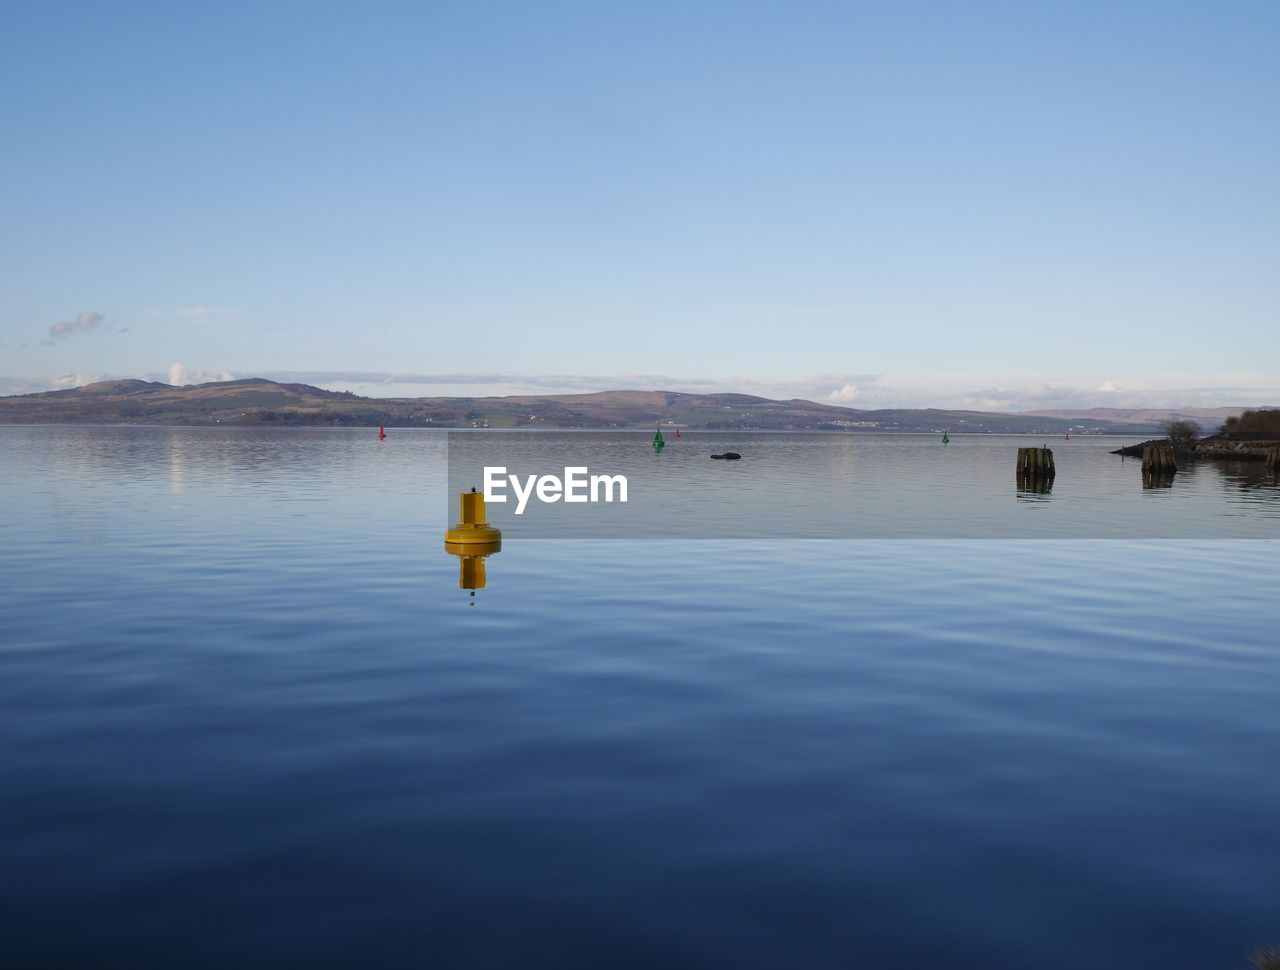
point(258, 402)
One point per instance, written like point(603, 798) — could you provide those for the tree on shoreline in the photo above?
point(1266, 421)
point(1182, 434)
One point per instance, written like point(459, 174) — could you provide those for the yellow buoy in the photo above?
point(471, 540)
point(473, 530)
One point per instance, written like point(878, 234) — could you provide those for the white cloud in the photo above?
point(978, 392)
point(64, 381)
point(24, 385)
point(180, 375)
point(845, 394)
point(1014, 393)
point(484, 384)
point(83, 323)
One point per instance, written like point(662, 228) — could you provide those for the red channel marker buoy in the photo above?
point(382, 433)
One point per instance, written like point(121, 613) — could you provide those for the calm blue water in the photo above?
point(248, 718)
point(792, 486)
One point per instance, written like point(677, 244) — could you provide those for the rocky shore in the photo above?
point(1213, 448)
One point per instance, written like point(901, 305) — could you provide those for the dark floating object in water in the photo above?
point(471, 540)
point(1159, 460)
point(1035, 470)
point(1159, 465)
point(728, 456)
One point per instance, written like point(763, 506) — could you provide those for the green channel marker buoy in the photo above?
point(946, 438)
point(658, 443)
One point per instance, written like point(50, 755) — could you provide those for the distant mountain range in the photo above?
point(259, 402)
point(1209, 417)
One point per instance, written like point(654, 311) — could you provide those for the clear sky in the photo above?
point(1002, 204)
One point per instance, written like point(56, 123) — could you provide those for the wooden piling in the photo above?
point(1034, 469)
point(1273, 458)
point(1158, 460)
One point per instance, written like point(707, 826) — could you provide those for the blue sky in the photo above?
point(1001, 204)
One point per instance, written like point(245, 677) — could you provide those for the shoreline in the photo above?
point(1210, 449)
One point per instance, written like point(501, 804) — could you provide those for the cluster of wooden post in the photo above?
point(1035, 469)
point(1158, 466)
point(1273, 458)
point(1158, 460)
